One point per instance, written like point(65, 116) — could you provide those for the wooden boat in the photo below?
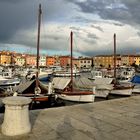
point(62, 87)
point(120, 89)
point(77, 96)
point(102, 85)
point(28, 90)
point(34, 89)
point(71, 94)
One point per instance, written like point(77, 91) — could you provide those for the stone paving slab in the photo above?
point(107, 120)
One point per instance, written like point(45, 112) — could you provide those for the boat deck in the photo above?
point(107, 120)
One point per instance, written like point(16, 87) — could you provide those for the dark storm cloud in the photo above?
point(92, 36)
point(82, 19)
point(138, 33)
point(14, 16)
point(95, 52)
point(118, 24)
point(122, 49)
point(97, 27)
point(18, 15)
point(53, 37)
point(125, 11)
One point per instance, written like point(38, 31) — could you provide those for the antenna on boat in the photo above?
point(115, 59)
point(38, 46)
point(71, 44)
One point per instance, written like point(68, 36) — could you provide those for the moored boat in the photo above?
point(68, 92)
point(120, 89)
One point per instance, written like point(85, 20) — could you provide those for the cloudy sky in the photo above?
point(93, 23)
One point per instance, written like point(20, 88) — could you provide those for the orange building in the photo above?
point(131, 59)
point(76, 62)
point(64, 61)
point(50, 61)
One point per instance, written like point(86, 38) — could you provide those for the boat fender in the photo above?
point(37, 90)
point(15, 94)
point(94, 90)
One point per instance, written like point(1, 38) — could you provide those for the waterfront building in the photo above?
point(5, 58)
point(76, 62)
point(103, 61)
point(50, 61)
point(20, 60)
point(64, 61)
point(85, 62)
point(131, 60)
point(118, 60)
point(42, 61)
point(127, 60)
point(137, 59)
point(31, 60)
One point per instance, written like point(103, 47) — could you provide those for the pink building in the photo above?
point(31, 60)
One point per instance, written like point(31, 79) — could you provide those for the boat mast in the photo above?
point(71, 44)
point(38, 44)
point(114, 59)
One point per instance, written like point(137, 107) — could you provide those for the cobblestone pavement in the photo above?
point(117, 119)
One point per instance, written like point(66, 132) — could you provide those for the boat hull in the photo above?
point(65, 74)
point(78, 98)
point(136, 89)
point(102, 93)
point(123, 92)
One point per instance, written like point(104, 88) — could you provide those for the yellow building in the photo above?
point(103, 61)
point(128, 60)
point(137, 59)
point(5, 58)
point(20, 60)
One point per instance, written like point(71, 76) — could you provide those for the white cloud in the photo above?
point(93, 26)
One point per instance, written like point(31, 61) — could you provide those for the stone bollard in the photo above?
point(16, 117)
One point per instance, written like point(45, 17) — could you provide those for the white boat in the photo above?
point(43, 74)
point(103, 87)
point(68, 92)
point(75, 97)
point(61, 86)
point(125, 75)
point(6, 79)
point(120, 89)
point(123, 90)
point(67, 73)
point(96, 74)
point(136, 89)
